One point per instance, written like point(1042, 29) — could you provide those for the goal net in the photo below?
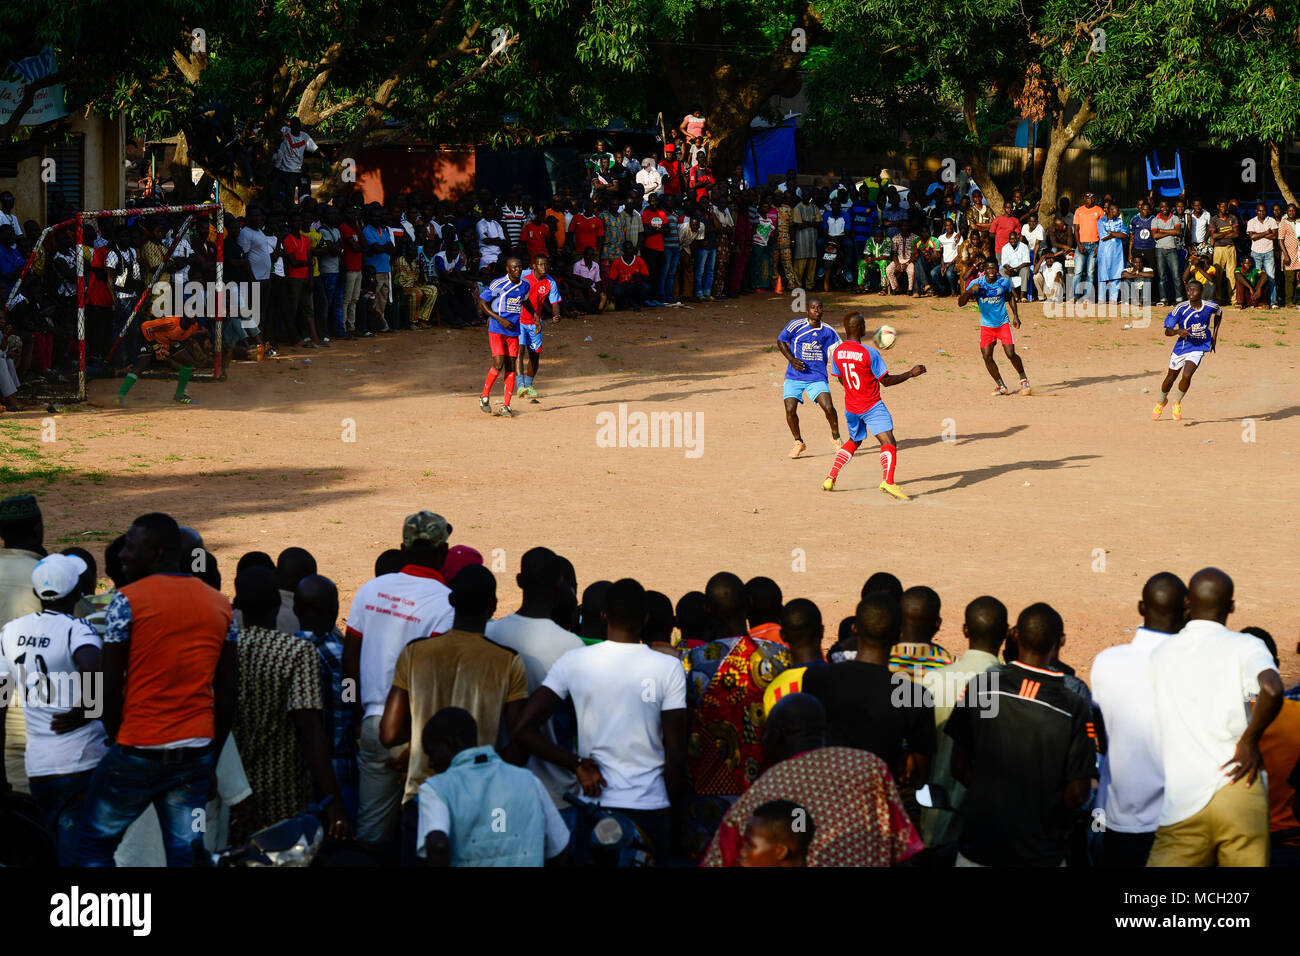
point(90, 281)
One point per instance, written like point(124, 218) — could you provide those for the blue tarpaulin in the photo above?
point(769, 152)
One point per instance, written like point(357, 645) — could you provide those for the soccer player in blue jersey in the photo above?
point(508, 296)
point(1189, 323)
point(807, 345)
point(994, 294)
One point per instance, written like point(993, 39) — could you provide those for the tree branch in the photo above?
point(307, 102)
point(190, 64)
point(363, 135)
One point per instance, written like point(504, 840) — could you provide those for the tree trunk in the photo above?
point(730, 104)
point(178, 171)
point(1279, 176)
point(730, 89)
point(1062, 135)
point(979, 168)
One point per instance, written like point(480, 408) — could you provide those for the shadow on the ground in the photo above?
point(1277, 416)
point(1092, 380)
point(907, 443)
point(965, 479)
point(108, 502)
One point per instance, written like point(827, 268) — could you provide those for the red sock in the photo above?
point(491, 380)
point(842, 457)
point(888, 459)
point(510, 386)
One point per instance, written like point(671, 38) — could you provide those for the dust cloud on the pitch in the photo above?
point(655, 429)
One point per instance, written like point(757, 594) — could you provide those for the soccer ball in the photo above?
point(884, 337)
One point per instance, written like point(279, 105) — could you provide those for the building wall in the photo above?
point(383, 175)
point(103, 176)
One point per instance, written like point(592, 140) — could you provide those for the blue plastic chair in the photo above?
point(1166, 182)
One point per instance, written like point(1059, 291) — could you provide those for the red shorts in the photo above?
point(1001, 334)
point(503, 344)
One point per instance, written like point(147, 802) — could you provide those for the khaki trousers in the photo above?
point(1230, 830)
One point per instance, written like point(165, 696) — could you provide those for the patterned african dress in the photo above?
point(725, 681)
point(858, 816)
point(611, 245)
point(874, 247)
point(278, 674)
point(783, 260)
point(722, 261)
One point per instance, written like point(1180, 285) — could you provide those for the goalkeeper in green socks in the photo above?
point(170, 339)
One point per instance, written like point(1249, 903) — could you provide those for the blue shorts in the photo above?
point(530, 336)
point(875, 419)
point(797, 390)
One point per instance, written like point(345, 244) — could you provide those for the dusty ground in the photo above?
point(1071, 495)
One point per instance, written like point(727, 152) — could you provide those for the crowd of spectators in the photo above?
point(607, 725)
point(657, 230)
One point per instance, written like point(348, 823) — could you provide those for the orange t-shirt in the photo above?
point(771, 631)
point(559, 225)
point(1280, 747)
point(1085, 219)
point(178, 626)
point(167, 331)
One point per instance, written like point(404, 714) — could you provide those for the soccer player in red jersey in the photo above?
point(543, 296)
point(862, 371)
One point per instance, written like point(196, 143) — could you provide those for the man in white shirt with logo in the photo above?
point(1215, 808)
point(531, 634)
point(1132, 779)
point(388, 613)
point(631, 706)
point(50, 662)
point(294, 144)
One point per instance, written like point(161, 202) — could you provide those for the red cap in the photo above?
point(670, 148)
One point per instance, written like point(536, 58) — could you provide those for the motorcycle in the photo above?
point(616, 840)
point(293, 842)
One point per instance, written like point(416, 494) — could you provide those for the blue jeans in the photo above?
point(1085, 266)
point(704, 259)
point(60, 801)
point(1168, 275)
point(664, 291)
point(332, 286)
point(948, 278)
point(1264, 261)
point(128, 780)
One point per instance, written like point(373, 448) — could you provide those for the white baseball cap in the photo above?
point(55, 576)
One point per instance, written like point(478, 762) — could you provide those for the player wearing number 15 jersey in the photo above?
point(862, 371)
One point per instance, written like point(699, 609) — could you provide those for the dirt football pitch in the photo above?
point(1070, 495)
